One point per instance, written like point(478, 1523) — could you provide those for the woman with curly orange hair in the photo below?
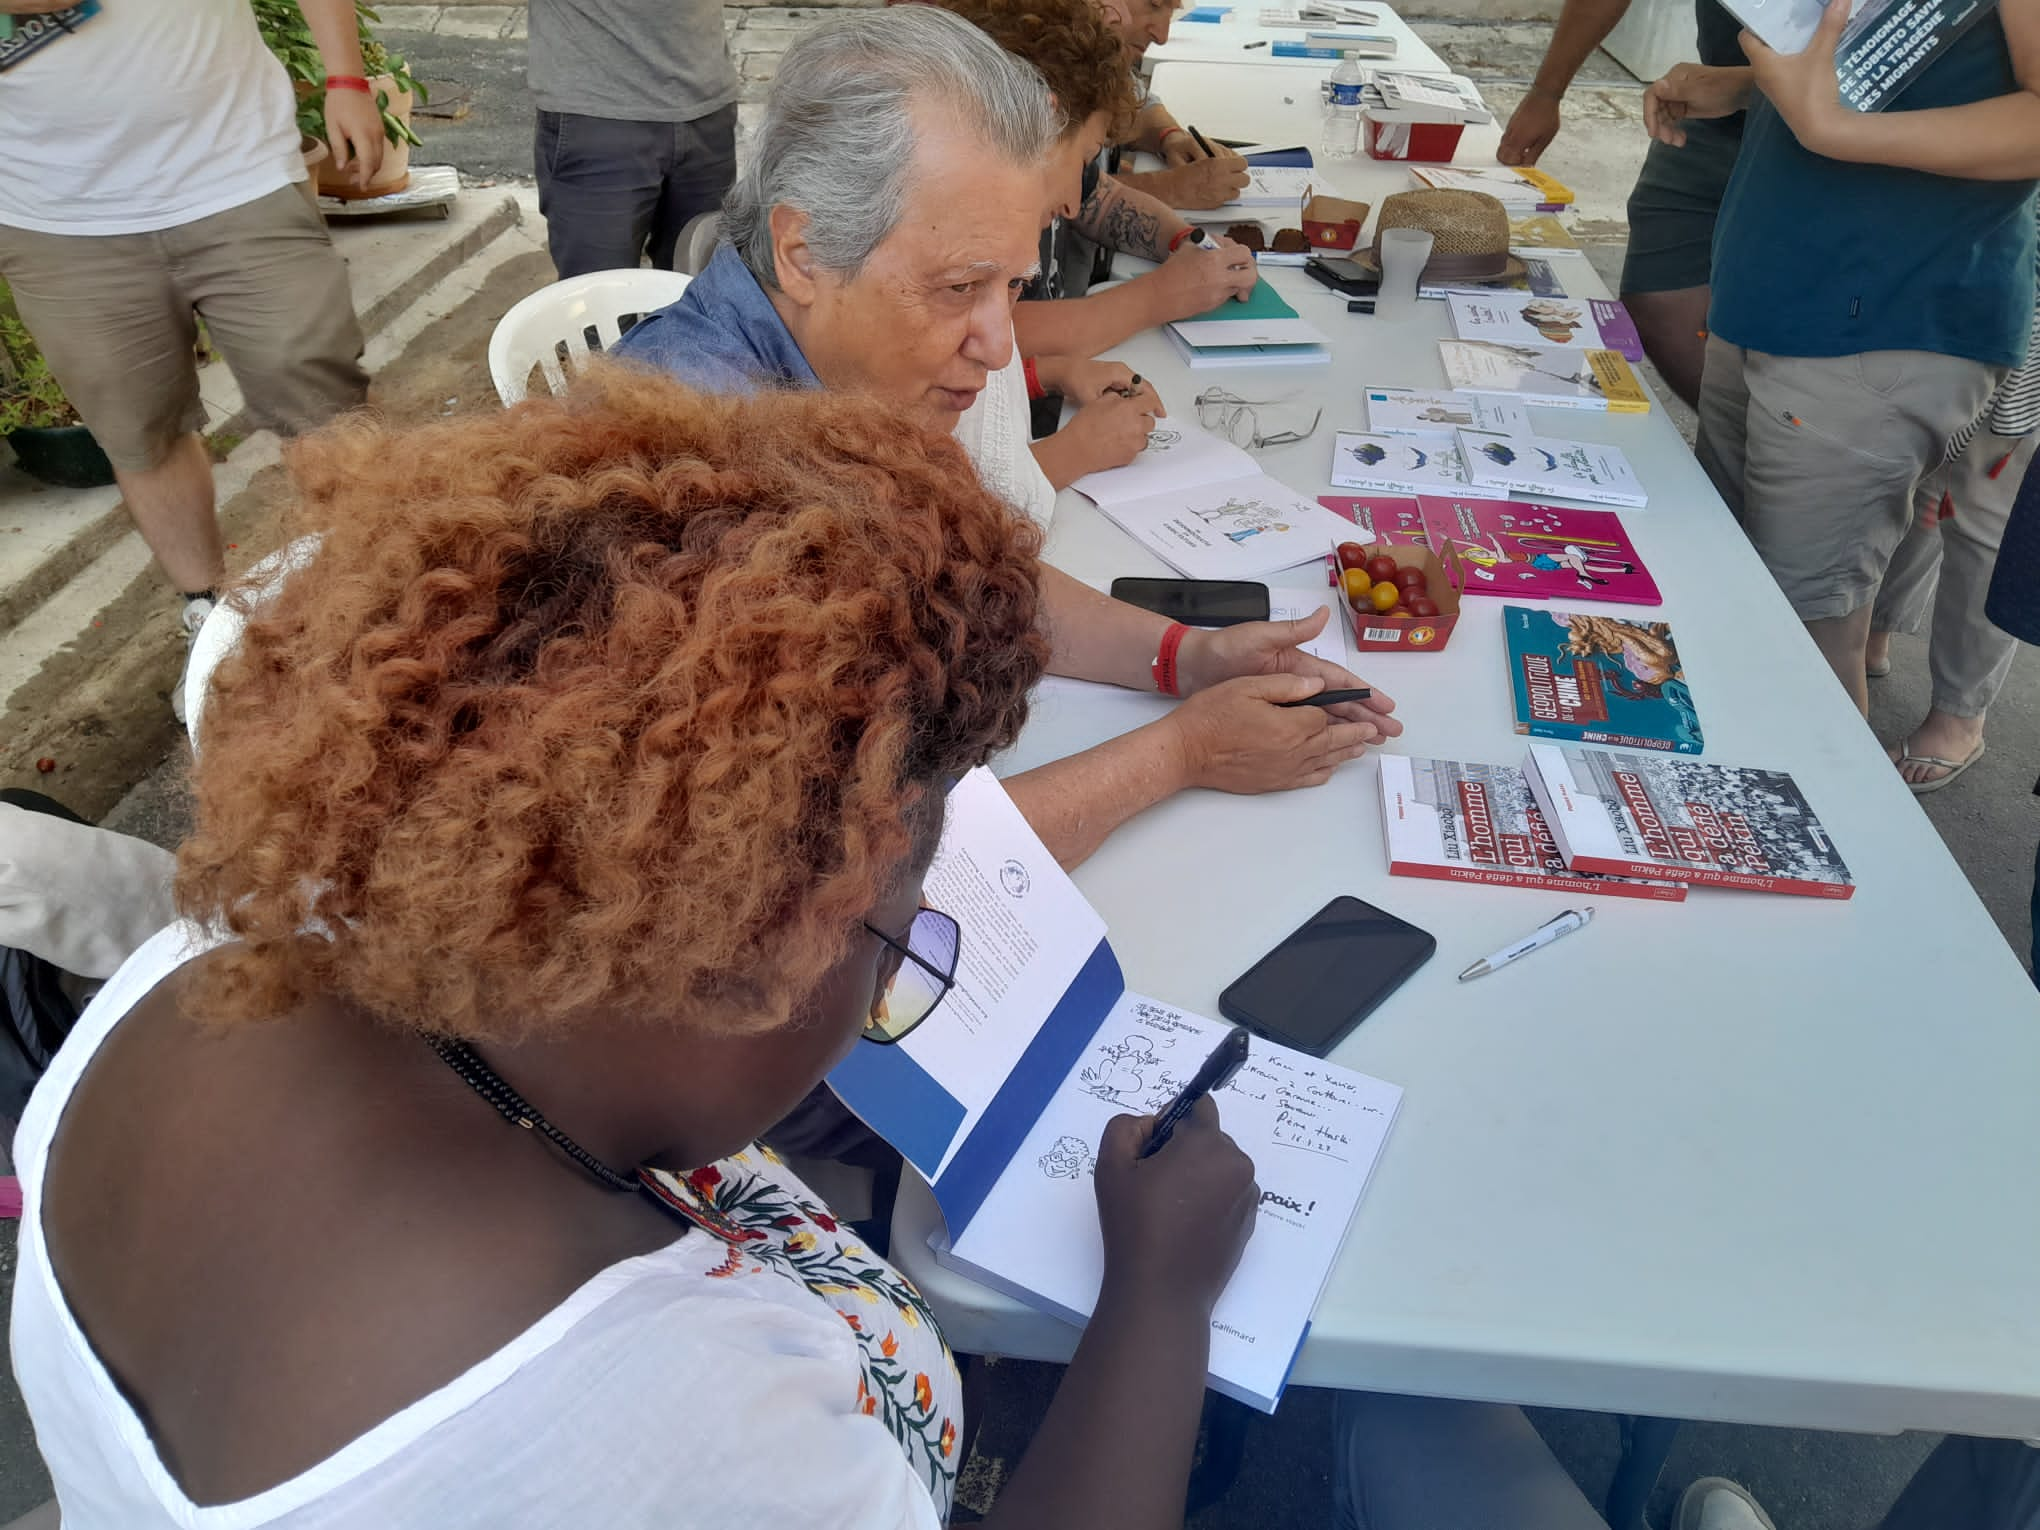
point(583, 780)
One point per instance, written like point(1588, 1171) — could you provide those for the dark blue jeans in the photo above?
point(611, 190)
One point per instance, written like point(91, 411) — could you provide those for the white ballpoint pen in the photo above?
point(1554, 929)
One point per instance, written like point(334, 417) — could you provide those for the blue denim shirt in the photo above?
point(723, 336)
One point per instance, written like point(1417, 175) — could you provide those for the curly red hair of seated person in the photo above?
point(633, 700)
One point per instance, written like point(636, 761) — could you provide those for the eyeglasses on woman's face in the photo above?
point(913, 975)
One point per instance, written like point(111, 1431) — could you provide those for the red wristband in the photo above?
point(1034, 388)
point(349, 82)
point(1188, 231)
point(1165, 659)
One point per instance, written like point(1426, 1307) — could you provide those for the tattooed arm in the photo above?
point(1121, 218)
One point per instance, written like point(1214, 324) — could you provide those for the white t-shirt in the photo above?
point(153, 113)
point(996, 433)
point(770, 1373)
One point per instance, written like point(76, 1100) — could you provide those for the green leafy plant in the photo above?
point(290, 39)
point(30, 397)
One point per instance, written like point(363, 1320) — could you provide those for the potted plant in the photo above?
point(48, 439)
point(396, 92)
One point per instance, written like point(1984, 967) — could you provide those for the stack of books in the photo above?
point(1262, 331)
point(1521, 189)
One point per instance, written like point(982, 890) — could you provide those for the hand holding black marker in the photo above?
point(1218, 1069)
point(1331, 698)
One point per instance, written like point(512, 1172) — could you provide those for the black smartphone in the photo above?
point(1197, 602)
point(1342, 275)
point(1311, 990)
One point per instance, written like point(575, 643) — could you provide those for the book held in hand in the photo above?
point(1548, 468)
point(1000, 1100)
point(1555, 379)
point(1884, 46)
point(1479, 823)
point(1662, 815)
point(1599, 680)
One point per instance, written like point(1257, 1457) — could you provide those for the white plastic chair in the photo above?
point(697, 242)
point(531, 334)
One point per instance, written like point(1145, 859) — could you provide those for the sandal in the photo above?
point(1954, 768)
point(1876, 671)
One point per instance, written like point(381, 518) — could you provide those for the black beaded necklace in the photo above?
point(512, 1107)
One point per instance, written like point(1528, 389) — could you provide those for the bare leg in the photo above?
point(1842, 640)
point(1673, 328)
point(172, 505)
point(1877, 652)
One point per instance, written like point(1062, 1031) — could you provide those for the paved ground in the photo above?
point(473, 55)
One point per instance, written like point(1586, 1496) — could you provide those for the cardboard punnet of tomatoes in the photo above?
point(1399, 597)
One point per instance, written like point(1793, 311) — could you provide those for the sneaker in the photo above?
point(193, 617)
point(1715, 1503)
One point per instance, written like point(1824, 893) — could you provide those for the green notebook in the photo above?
point(1264, 302)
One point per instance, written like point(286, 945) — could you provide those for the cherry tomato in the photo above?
point(1358, 585)
point(1399, 615)
point(1423, 605)
point(1352, 555)
point(1386, 596)
point(1381, 567)
point(1413, 581)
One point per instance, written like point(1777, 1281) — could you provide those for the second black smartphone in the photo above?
point(1197, 602)
point(1326, 978)
point(1342, 275)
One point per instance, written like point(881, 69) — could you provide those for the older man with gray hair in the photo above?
point(877, 241)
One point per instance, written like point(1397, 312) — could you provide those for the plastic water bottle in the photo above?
point(1342, 114)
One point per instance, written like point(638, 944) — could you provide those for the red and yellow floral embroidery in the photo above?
point(769, 1227)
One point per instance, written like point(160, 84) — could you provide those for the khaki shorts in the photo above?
point(1819, 457)
point(113, 313)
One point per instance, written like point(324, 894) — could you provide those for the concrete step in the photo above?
point(87, 623)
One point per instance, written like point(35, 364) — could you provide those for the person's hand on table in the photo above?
point(1699, 90)
point(354, 132)
point(1274, 648)
point(1802, 85)
point(1532, 126)
point(1110, 431)
point(1201, 182)
point(1194, 281)
point(1174, 1225)
point(1238, 737)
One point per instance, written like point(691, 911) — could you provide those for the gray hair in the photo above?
point(837, 142)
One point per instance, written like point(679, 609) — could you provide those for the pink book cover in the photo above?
point(1385, 519)
point(1526, 551)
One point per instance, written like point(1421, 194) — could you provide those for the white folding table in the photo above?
point(1748, 1158)
point(1228, 42)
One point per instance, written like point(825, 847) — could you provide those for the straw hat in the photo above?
point(1469, 235)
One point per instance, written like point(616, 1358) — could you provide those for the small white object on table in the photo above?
point(1746, 1158)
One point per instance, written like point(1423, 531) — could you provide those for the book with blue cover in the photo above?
point(1001, 1099)
point(1599, 680)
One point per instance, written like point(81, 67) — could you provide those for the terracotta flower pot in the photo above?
point(316, 154)
point(63, 455)
point(395, 173)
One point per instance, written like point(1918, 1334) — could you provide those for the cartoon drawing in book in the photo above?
point(1126, 1073)
point(1067, 1158)
point(1161, 438)
point(1246, 518)
point(1500, 453)
point(1373, 455)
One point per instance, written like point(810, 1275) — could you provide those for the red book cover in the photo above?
point(1663, 815)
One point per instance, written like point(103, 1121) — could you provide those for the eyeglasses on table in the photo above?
point(1239, 420)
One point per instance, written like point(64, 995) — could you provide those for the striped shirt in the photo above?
point(2014, 410)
